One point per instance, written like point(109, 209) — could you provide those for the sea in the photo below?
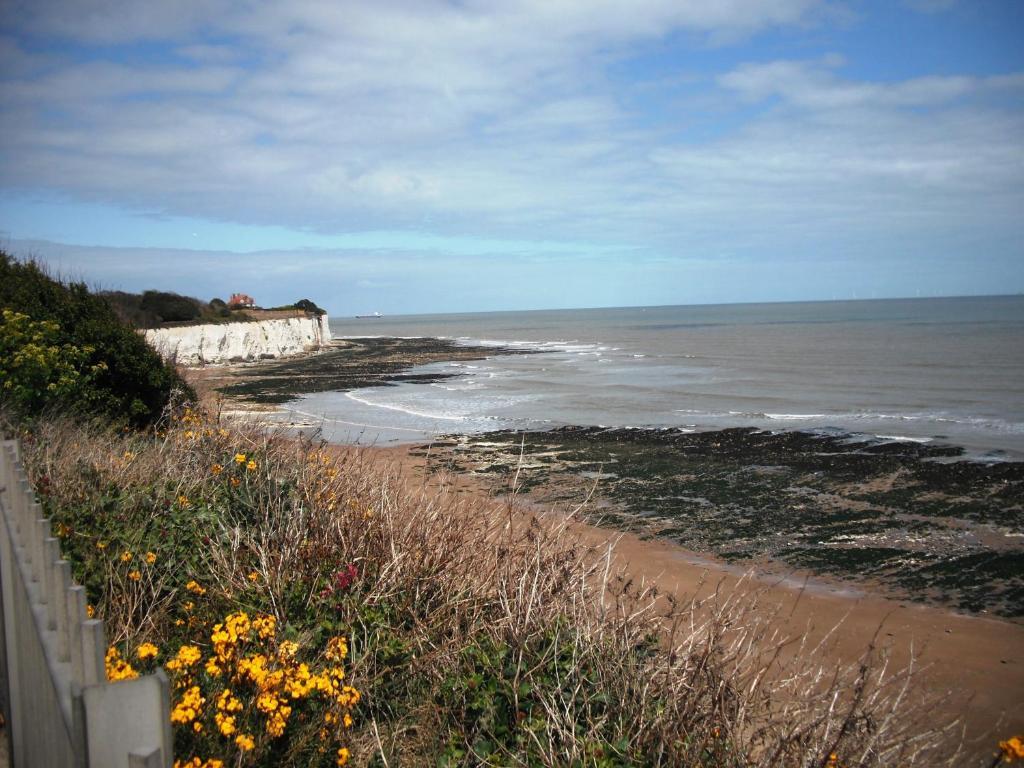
point(947, 370)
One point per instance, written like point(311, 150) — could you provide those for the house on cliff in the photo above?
point(241, 301)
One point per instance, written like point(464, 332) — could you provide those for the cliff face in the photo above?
point(240, 342)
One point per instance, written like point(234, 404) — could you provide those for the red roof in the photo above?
point(241, 300)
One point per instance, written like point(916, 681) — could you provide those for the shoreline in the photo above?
point(912, 520)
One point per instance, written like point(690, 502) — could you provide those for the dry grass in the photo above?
point(479, 634)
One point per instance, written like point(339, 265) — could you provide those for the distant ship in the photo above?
point(365, 317)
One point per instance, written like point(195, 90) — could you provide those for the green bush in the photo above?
point(171, 307)
point(35, 368)
point(74, 340)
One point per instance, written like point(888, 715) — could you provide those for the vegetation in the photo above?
point(152, 309)
point(155, 309)
point(64, 347)
point(312, 609)
point(305, 305)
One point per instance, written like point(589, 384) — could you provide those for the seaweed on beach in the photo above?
point(350, 364)
point(917, 519)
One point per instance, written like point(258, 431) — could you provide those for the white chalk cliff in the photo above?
point(214, 344)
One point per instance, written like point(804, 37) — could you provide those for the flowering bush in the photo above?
point(250, 697)
point(36, 369)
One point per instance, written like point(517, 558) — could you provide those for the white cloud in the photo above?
point(495, 119)
point(813, 85)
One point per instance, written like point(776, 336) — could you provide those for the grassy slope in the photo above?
point(475, 636)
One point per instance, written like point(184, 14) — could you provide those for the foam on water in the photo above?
point(946, 369)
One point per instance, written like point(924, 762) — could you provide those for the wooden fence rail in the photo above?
point(60, 709)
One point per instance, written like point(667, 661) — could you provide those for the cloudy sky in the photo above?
point(430, 156)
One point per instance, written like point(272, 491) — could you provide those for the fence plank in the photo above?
point(60, 709)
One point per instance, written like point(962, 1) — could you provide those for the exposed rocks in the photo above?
point(916, 519)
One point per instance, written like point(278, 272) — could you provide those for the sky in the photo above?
point(414, 156)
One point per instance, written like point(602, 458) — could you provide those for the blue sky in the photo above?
point(426, 156)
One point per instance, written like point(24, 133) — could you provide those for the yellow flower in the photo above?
point(150, 558)
point(183, 500)
point(253, 576)
point(101, 545)
point(227, 702)
point(287, 650)
point(251, 466)
point(134, 575)
point(117, 668)
point(244, 742)
point(343, 756)
point(235, 482)
point(195, 762)
point(225, 724)
point(212, 668)
point(146, 651)
point(277, 722)
point(1012, 749)
point(126, 557)
point(186, 710)
point(188, 656)
point(240, 458)
point(337, 649)
point(264, 626)
point(216, 469)
point(197, 727)
point(90, 611)
point(194, 587)
point(267, 703)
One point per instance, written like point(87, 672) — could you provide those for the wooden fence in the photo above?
point(59, 707)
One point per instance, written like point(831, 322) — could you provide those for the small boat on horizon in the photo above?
point(369, 317)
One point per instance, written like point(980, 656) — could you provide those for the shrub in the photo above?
point(37, 371)
point(170, 307)
point(117, 374)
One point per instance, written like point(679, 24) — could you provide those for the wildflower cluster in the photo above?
point(116, 667)
point(237, 698)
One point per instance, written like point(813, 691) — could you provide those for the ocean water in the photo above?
point(948, 370)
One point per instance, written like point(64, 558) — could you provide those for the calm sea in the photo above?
point(947, 370)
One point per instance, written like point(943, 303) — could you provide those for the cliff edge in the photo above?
point(196, 345)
